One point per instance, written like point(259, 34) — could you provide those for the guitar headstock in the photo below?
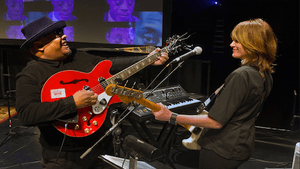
point(177, 43)
point(128, 95)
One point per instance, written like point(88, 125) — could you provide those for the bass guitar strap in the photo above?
point(204, 104)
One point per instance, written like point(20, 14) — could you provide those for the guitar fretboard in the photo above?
point(126, 73)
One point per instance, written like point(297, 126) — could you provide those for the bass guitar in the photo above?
point(191, 142)
point(127, 95)
point(66, 83)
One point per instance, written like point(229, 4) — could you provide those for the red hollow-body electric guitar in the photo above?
point(66, 83)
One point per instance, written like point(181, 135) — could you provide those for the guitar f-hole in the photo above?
point(73, 81)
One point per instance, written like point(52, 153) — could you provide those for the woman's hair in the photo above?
point(259, 42)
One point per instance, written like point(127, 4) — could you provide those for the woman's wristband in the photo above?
point(173, 118)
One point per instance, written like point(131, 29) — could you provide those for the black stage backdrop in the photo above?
point(199, 17)
point(283, 16)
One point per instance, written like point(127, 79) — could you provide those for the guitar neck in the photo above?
point(126, 73)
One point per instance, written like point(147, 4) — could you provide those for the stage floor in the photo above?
point(273, 148)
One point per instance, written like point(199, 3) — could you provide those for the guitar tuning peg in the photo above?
point(139, 94)
point(124, 87)
point(114, 89)
point(118, 81)
point(131, 93)
point(133, 85)
point(125, 83)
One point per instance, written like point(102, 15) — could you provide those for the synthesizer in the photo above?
point(174, 98)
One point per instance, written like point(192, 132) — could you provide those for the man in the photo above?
point(14, 32)
point(62, 10)
point(69, 32)
point(148, 30)
point(120, 11)
point(47, 42)
point(117, 35)
point(228, 138)
point(15, 10)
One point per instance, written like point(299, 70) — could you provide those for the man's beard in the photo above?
point(70, 52)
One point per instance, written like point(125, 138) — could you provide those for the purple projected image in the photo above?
point(69, 31)
point(14, 10)
point(120, 11)
point(14, 32)
point(62, 10)
point(120, 36)
point(126, 22)
point(149, 29)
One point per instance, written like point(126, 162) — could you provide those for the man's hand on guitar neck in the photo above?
point(162, 59)
point(84, 98)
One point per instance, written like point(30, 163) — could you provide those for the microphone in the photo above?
point(196, 51)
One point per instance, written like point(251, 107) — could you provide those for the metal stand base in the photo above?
point(122, 163)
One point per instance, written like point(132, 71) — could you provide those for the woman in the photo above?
point(228, 138)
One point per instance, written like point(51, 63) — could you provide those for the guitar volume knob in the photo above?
point(103, 102)
point(84, 118)
point(76, 127)
point(87, 131)
point(95, 123)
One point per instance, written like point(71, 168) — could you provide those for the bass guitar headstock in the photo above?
point(128, 95)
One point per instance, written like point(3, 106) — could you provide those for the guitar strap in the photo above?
point(204, 104)
point(263, 95)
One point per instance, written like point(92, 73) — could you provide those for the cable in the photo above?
point(62, 144)
point(126, 156)
point(6, 139)
point(16, 151)
point(10, 134)
point(270, 162)
point(14, 166)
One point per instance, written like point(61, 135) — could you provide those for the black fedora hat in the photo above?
point(38, 28)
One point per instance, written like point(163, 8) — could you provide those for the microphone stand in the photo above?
point(168, 75)
point(108, 132)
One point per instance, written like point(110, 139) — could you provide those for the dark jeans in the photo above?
point(71, 160)
point(210, 160)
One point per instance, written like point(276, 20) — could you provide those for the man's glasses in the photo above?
point(59, 33)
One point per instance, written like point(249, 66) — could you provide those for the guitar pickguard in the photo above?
point(102, 103)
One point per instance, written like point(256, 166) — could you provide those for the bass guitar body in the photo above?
point(191, 142)
point(65, 83)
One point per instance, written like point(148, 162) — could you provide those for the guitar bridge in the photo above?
point(102, 82)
